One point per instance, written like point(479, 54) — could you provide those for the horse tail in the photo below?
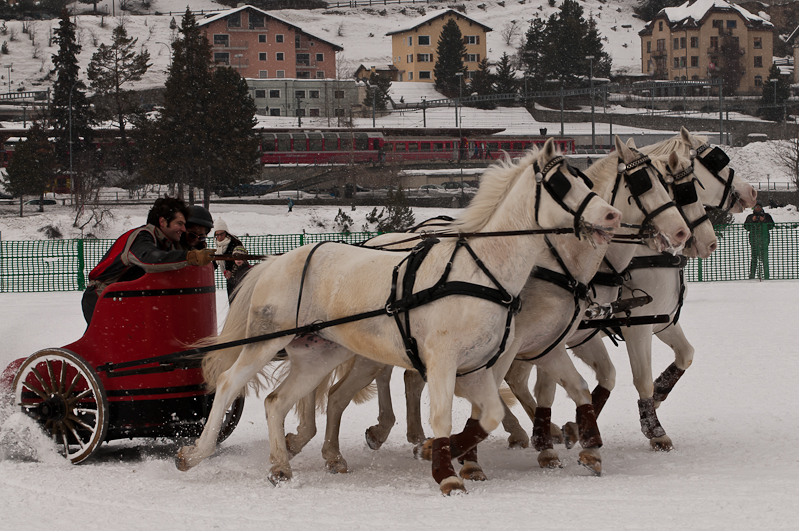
point(507, 396)
point(218, 361)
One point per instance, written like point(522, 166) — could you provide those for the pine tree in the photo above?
point(730, 68)
point(32, 169)
point(450, 53)
point(592, 44)
point(532, 54)
point(382, 86)
point(505, 78)
point(69, 95)
point(483, 84)
point(564, 44)
point(774, 95)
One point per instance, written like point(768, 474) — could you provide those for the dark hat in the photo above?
point(200, 216)
point(758, 204)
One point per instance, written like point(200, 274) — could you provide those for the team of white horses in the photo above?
point(484, 298)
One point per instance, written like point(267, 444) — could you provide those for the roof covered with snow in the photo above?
point(415, 23)
point(690, 14)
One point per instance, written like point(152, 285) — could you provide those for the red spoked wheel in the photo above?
point(61, 391)
point(231, 420)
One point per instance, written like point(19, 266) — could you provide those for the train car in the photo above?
point(320, 147)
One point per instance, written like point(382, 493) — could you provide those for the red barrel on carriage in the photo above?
point(128, 375)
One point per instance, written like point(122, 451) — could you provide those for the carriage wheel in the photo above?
point(231, 420)
point(62, 392)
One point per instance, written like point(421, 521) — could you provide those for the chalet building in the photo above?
point(322, 98)
point(260, 45)
point(414, 45)
point(364, 72)
point(685, 43)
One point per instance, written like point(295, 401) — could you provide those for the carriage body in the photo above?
point(81, 396)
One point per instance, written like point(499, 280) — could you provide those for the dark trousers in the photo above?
point(759, 256)
point(88, 303)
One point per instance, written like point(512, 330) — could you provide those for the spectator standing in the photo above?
point(225, 243)
point(758, 224)
point(240, 268)
point(291, 204)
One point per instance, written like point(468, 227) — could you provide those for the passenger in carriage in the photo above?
point(152, 248)
point(198, 226)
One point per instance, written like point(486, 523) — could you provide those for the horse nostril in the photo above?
point(612, 217)
point(682, 235)
point(712, 247)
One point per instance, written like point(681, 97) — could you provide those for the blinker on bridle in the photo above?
point(715, 161)
point(558, 185)
point(639, 182)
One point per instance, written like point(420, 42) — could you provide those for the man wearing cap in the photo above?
point(758, 224)
point(225, 244)
point(198, 225)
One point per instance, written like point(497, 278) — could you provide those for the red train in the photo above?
point(344, 148)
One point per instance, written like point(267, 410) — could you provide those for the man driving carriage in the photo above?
point(152, 248)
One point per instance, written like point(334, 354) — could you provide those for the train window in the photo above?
point(300, 142)
point(315, 141)
point(361, 141)
point(400, 146)
point(425, 146)
point(506, 146)
point(268, 143)
point(493, 146)
point(283, 142)
point(346, 143)
point(331, 142)
point(413, 146)
point(438, 146)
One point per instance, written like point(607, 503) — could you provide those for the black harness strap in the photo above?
point(659, 260)
point(302, 279)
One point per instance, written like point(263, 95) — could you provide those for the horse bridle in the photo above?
point(685, 194)
point(715, 161)
point(558, 186)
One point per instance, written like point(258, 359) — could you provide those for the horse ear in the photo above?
point(686, 136)
point(549, 148)
point(623, 151)
point(631, 143)
point(674, 160)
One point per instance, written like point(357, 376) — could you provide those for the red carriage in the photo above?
point(101, 387)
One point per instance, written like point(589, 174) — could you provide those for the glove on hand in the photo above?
point(201, 257)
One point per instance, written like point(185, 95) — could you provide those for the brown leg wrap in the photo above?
point(470, 437)
point(599, 396)
point(650, 425)
point(589, 431)
point(442, 460)
point(666, 381)
point(542, 431)
point(471, 455)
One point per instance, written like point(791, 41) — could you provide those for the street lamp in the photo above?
point(8, 69)
point(424, 114)
point(460, 131)
point(239, 55)
point(374, 104)
point(591, 82)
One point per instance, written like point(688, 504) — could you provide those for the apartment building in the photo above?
point(260, 45)
point(314, 98)
point(684, 43)
point(414, 45)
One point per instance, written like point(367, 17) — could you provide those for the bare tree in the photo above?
point(787, 152)
point(510, 31)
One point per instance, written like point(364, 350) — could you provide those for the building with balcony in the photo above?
point(260, 45)
point(414, 45)
point(685, 43)
point(313, 98)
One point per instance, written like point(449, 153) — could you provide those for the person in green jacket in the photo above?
point(758, 224)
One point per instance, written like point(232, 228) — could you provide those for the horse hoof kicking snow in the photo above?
point(591, 460)
point(337, 466)
point(549, 459)
point(472, 471)
point(661, 444)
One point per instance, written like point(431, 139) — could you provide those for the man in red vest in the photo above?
point(153, 248)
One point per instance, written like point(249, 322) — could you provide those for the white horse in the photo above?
point(720, 188)
point(547, 313)
point(455, 334)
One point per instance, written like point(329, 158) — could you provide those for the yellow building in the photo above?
point(414, 45)
point(684, 43)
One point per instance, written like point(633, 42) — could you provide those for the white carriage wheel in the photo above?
point(63, 393)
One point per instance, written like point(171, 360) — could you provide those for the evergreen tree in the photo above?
point(32, 169)
point(531, 54)
point(450, 54)
point(69, 95)
point(380, 98)
point(398, 214)
point(774, 93)
point(483, 84)
point(592, 44)
point(505, 79)
point(647, 9)
point(565, 49)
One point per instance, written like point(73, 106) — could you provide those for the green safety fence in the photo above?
point(63, 265)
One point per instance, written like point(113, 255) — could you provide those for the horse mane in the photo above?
point(665, 147)
point(495, 184)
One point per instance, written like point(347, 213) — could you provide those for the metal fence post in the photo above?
point(81, 266)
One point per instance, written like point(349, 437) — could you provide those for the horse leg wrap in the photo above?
point(442, 460)
point(650, 425)
point(470, 437)
point(589, 431)
point(666, 381)
point(599, 396)
point(471, 455)
point(542, 429)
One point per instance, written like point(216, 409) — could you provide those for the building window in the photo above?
point(313, 112)
point(732, 24)
point(718, 23)
point(472, 39)
point(758, 61)
point(660, 26)
point(409, 58)
point(262, 37)
point(682, 62)
point(263, 74)
point(694, 61)
point(648, 46)
point(410, 41)
point(303, 59)
point(338, 94)
point(274, 112)
point(260, 93)
point(274, 93)
point(682, 42)
point(279, 56)
point(313, 94)
point(758, 43)
point(299, 94)
point(222, 40)
point(676, 62)
point(320, 58)
point(278, 38)
point(257, 20)
point(338, 112)
point(222, 58)
point(320, 74)
point(694, 78)
point(297, 40)
point(262, 56)
point(676, 44)
point(472, 57)
point(425, 74)
point(424, 57)
point(758, 81)
point(410, 76)
point(661, 45)
point(304, 75)
point(234, 20)
point(694, 42)
point(280, 74)
point(714, 42)
point(470, 74)
point(424, 40)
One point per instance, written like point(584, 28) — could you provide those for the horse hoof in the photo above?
point(556, 434)
point(278, 476)
point(424, 451)
point(472, 471)
point(182, 460)
point(452, 485)
point(519, 442)
point(549, 459)
point(373, 442)
point(571, 434)
point(337, 466)
point(591, 460)
point(661, 444)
